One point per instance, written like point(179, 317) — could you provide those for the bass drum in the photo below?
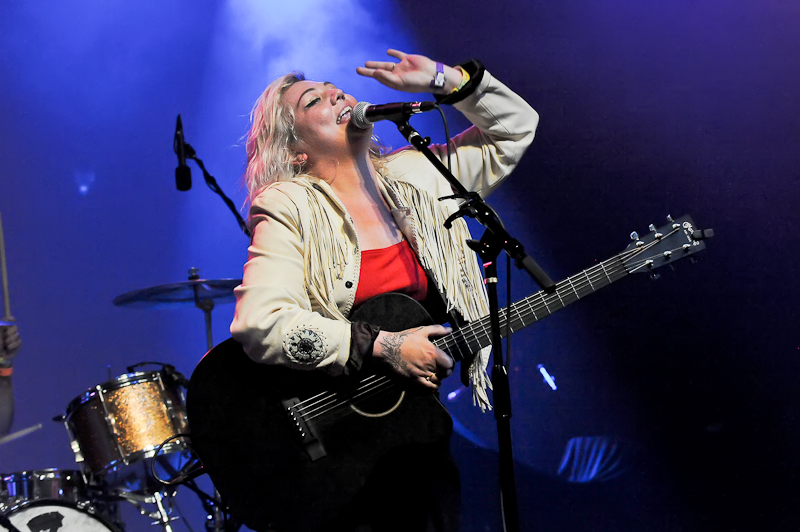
point(54, 516)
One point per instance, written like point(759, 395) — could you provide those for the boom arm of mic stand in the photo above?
point(475, 207)
point(214, 186)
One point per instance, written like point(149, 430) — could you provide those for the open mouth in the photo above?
point(344, 116)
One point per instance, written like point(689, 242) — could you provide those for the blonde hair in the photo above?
point(272, 137)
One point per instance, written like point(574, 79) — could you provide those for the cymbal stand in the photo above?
point(206, 305)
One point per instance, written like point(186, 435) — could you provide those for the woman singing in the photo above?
point(335, 222)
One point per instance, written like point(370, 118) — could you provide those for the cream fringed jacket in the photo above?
point(302, 273)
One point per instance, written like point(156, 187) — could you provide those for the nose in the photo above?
point(336, 95)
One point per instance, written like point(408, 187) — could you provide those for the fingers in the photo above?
point(371, 68)
point(443, 361)
point(384, 76)
point(437, 330)
point(383, 65)
point(397, 54)
point(431, 380)
point(363, 71)
point(10, 341)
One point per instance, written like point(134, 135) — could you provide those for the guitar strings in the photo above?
point(365, 397)
point(612, 274)
point(321, 397)
point(313, 410)
point(606, 269)
point(612, 269)
point(378, 387)
point(534, 303)
point(369, 384)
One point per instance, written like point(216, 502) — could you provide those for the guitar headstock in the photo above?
point(676, 240)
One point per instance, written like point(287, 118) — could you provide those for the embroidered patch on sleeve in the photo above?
point(305, 346)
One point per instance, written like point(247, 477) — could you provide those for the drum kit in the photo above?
point(130, 436)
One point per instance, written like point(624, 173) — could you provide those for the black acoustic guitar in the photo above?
point(288, 449)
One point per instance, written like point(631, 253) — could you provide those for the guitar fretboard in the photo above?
point(475, 335)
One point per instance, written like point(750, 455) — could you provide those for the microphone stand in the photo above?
point(495, 239)
point(214, 186)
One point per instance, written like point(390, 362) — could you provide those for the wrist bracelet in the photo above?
point(438, 81)
point(464, 79)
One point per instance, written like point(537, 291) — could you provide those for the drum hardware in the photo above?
point(218, 517)
point(162, 501)
point(201, 293)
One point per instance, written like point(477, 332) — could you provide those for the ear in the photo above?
point(300, 159)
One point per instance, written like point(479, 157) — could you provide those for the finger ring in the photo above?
point(431, 376)
point(394, 65)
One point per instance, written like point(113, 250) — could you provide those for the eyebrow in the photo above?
point(309, 90)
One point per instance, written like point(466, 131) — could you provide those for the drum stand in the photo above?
point(162, 513)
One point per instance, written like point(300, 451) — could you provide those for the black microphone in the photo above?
point(364, 113)
point(183, 174)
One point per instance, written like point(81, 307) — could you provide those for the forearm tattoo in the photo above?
point(391, 344)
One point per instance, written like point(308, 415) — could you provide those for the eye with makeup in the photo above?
point(313, 101)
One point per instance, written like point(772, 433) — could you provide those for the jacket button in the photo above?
point(349, 284)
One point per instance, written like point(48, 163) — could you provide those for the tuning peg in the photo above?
point(655, 232)
point(671, 220)
point(635, 237)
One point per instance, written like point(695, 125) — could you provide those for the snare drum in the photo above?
point(116, 427)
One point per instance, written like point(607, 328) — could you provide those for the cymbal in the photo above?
point(175, 294)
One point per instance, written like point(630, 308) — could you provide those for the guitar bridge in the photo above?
point(308, 438)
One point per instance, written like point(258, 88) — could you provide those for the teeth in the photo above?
point(345, 113)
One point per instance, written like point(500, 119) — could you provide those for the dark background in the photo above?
point(647, 109)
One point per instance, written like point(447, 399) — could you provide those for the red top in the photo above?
point(392, 269)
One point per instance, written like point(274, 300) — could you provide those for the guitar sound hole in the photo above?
point(379, 403)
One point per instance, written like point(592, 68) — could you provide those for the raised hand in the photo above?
point(413, 73)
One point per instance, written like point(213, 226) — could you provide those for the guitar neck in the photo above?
point(462, 343)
